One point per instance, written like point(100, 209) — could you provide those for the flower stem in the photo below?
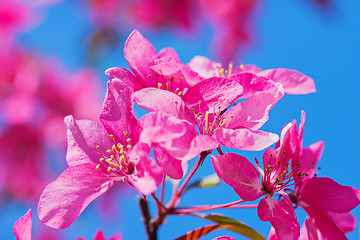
point(176, 197)
point(188, 210)
point(151, 229)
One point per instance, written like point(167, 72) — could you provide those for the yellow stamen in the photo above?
point(115, 165)
point(180, 93)
point(242, 65)
point(221, 71)
point(125, 133)
point(102, 159)
point(128, 146)
point(128, 140)
point(167, 86)
point(98, 166)
point(159, 85)
point(230, 69)
point(206, 121)
point(109, 168)
point(111, 136)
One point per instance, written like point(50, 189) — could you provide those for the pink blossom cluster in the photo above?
point(193, 110)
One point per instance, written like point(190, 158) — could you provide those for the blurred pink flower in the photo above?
point(35, 96)
point(24, 160)
point(99, 235)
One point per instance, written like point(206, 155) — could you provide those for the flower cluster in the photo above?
point(195, 109)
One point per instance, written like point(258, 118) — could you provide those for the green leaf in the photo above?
point(200, 232)
point(234, 226)
point(207, 181)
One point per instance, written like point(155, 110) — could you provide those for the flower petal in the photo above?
point(251, 113)
point(140, 54)
point(294, 82)
point(245, 139)
point(22, 227)
point(82, 138)
point(172, 167)
point(147, 176)
point(324, 224)
point(254, 84)
point(117, 114)
point(64, 199)
point(240, 174)
point(327, 195)
point(161, 127)
point(282, 217)
point(214, 94)
point(156, 100)
point(124, 75)
point(205, 67)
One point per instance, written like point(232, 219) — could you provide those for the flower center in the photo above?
point(207, 122)
point(115, 159)
point(178, 86)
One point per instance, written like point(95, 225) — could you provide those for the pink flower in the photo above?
point(293, 82)
point(243, 177)
point(22, 227)
point(99, 155)
point(327, 203)
point(151, 69)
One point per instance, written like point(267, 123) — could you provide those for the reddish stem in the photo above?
point(176, 197)
point(205, 207)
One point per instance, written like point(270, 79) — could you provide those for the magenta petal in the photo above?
point(282, 217)
point(22, 227)
point(172, 167)
point(140, 54)
point(224, 238)
point(64, 199)
point(147, 176)
point(245, 139)
point(309, 231)
point(240, 174)
point(169, 53)
point(294, 82)
point(124, 75)
point(117, 113)
point(199, 144)
point(325, 225)
point(82, 138)
point(344, 221)
point(205, 67)
point(308, 159)
point(254, 84)
point(156, 100)
point(214, 94)
point(327, 195)
point(160, 127)
point(253, 112)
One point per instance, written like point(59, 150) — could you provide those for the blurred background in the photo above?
point(53, 55)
